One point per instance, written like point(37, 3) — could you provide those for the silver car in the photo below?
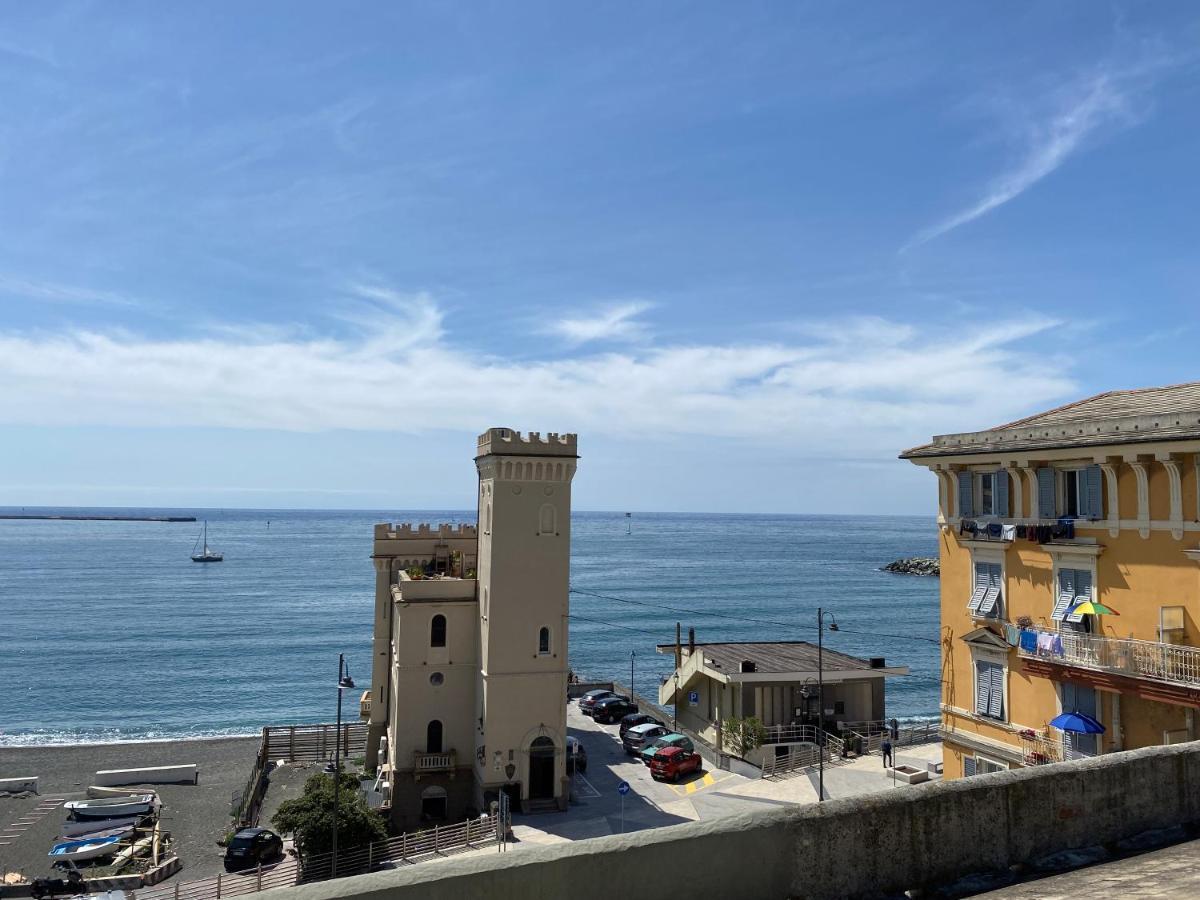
point(640, 736)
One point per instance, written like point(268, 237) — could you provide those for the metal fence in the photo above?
point(1171, 663)
point(406, 849)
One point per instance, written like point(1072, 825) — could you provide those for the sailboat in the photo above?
point(206, 555)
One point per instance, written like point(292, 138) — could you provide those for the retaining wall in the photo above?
point(910, 837)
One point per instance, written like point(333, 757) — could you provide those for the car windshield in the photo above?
point(242, 843)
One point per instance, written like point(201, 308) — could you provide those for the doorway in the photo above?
point(541, 769)
point(434, 803)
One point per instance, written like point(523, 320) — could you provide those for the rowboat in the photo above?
point(112, 807)
point(102, 828)
point(75, 851)
point(87, 828)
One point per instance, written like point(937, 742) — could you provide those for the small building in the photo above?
point(775, 682)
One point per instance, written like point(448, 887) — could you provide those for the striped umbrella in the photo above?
point(1093, 608)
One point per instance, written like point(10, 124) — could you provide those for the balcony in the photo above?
point(1171, 665)
point(432, 763)
point(364, 706)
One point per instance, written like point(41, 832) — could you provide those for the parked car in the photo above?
point(636, 718)
point(640, 736)
point(251, 846)
point(576, 756)
point(667, 740)
point(612, 709)
point(588, 700)
point(671, 762)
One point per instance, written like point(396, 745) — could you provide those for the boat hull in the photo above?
point(74, 851)
point(93, 828)
point(114, 808)
point(208, 559)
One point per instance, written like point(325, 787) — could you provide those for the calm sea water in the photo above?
point(110, 632)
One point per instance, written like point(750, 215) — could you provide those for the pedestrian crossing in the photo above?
point(19, 826)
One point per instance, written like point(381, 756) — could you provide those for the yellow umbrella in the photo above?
point(1092, 608)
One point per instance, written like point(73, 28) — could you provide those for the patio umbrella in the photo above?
point(1093, 608)
point(1077, 722)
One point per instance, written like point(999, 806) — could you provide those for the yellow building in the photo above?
point(1096, 501)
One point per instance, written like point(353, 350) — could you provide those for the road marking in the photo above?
point(591, 787)
point(699, 784)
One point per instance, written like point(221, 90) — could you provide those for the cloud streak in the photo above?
point(1105, 99)
point(855, 388)
point(617, 322)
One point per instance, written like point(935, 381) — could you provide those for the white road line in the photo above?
point(591, 787)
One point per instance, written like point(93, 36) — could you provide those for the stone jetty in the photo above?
point(915, 565)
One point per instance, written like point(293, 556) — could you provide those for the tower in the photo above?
point(524, 570)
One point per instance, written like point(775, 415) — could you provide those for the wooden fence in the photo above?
point(314, 743)
point(403, 850)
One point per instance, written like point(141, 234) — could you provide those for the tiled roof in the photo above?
point(1116, 417)
point(775, 657)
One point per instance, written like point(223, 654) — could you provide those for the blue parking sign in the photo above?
point(693, 698)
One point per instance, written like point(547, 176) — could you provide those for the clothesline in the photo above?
point(1062, 529)
point(1032, 640)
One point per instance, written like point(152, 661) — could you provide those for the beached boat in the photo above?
point(112, 807)
point(89, 828)
point(206, 555)
point(101, 828)
point(76, 851)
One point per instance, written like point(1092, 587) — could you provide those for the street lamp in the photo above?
point(821, 699)
point(344, 682)
point(632, 691)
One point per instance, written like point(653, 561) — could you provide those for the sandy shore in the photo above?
point(196, 815)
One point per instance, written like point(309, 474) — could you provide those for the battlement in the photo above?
point(424, 531)
point(509, 442)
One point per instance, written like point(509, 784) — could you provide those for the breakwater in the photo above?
point(100, 518)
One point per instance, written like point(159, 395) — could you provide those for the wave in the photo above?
point(48, 737)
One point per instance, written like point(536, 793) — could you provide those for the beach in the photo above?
point(196, 815)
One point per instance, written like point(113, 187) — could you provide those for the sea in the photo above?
point(111, 633)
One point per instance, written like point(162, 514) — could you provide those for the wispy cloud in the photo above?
point(617, 322)
point(54, 292)
point(1108, 99)
point(853, 386)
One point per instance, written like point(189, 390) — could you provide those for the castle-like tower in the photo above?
point(468, 689)
point(524, 567)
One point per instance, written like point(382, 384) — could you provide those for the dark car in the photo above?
point(613, 709)
point(588, 700)
point(636, 718)
point(576, 756)
point(252, 846)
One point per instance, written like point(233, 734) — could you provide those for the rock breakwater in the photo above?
point(915, 565)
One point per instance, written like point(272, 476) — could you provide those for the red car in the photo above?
point(671, 762)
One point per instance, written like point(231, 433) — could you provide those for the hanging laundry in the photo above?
point(1029, 641)
point(1012, 635)
point(1056, 646)
point(1009, 532)
point(1045, 641)
point(1022, 530)
point(994, 530)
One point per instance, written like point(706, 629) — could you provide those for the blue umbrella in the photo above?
point(1078, 722)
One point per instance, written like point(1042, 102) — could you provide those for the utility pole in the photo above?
point(820, 704)
point(632, 690)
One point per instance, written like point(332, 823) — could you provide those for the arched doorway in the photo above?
point(433, 803)
point(541, 769)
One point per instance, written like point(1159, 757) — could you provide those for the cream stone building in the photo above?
point(469, 677)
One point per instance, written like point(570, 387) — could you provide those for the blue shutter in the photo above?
point(1000, 493)
point(991, 594)
point(979, 588)
point(1066, 594)
point(1083, 591)
point(968, 766)
point(996, 701)
point(983, 688)
point(1045, 486)
point(966, 494)
point(1094, 503)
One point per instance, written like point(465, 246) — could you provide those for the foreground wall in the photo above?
point(911, 837)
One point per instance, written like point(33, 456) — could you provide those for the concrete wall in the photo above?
point(925, 835)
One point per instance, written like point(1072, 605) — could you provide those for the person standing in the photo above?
point(886, 747)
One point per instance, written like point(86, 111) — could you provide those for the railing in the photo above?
point(247, 804)
point(364, 705)
point(798, 757)
point(406, 849)
point(314, 743)
point(1170, 663)
point(434, 762)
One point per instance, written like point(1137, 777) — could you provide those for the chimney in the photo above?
point(878, 662)
point(749, 665)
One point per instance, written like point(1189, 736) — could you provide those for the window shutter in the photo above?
point(968, 766)
point(1045, 486)
point(996, 701)
point(1083, 591)
point(1066, 594)
point(1000, 494)
point(966, 494)
point(979, 588)
point(983, 688)
point(1094, 507)
point(991, 594)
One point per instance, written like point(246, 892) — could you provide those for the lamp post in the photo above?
point(675, 705)
point(632, 690)
point(344, 682)
point(821, 699)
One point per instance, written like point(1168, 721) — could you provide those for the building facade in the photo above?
point(469, 674)
point(1097, 502)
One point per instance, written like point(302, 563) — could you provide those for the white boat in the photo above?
point(101, 828)
point(112, 807)
point(75, 851)
point(86, 828)
point(207, 555)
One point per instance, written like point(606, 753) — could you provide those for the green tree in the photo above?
point(743, 735)
point(309, 818)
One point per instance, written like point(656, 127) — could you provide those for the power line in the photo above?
point(614, 625)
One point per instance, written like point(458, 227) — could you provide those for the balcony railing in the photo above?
point(1040, 749)
point(427, 763)
point(1168, 663)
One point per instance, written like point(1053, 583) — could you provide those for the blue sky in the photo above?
point(291, 254)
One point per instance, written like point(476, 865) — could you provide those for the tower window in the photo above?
point(544, 641)
point(433, 737)
point(437, 631)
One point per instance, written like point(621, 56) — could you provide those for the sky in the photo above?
point(298, 255)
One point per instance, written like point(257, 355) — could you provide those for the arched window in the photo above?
point(437, 631)
point(433, 737)
point(544, 640)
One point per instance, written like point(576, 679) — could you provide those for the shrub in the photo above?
point(309, 818)
point(743, 735)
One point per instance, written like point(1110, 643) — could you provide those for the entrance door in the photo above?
point(541, 769)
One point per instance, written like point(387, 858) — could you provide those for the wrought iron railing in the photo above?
point(1170, 663)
